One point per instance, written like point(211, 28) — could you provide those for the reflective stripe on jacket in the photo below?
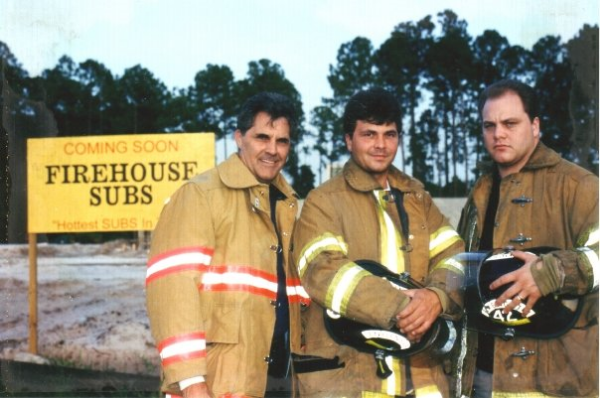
point(550, 202)
point(340, 223)
point(212, 280)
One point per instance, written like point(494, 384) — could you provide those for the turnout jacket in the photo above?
point(342, 221)
point(550, 202)
point(212, 280)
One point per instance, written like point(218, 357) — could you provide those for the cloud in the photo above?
point(39, 32)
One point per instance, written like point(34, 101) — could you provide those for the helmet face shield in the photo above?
point(550, 317)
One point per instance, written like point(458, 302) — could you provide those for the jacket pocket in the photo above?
point(221, 314)
point(222, 323)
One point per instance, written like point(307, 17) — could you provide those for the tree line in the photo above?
point(433, 66)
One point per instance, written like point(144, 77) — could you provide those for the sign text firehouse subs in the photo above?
point(109, 183)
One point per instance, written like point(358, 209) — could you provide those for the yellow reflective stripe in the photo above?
point(451, 264)
point(593, 238)
point(589, 249)
point(430, 391)
point(342, 287)
point(592, 258)
point(390, 237)
point(325, 242)
point(442, 239)
point(532, 394)
point(372, 394)
point(386, 258)
point(393, 384)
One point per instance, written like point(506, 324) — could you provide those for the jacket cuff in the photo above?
point(546, 274)
point(401, 306)
point(442, 296)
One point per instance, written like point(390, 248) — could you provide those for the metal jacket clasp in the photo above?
point(522, 200)
point(520, 239)
point(523, 353)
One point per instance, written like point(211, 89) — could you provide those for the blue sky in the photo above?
point(175, 39)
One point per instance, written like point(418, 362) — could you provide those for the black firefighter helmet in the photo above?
point(438, 340)
point(550, 317)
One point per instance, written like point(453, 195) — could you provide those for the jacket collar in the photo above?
point(234, 174)
point(541, 157)
point(361, 180)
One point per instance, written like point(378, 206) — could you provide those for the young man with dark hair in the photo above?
point(223, 298)
point(373, 211)
point(529, 197)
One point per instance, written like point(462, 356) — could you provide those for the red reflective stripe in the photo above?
point(298, 299)
point(183, 250)
point(225, 287)
point(293, 282)
point(183, 357)
point(173, 270)
point(297, 296)
point(230, 395)
point(182, 267)
point(180, 339)
point(240, 287)
point(242, 269)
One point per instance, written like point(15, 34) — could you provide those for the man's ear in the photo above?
point(237, 136)
point(348, 142)
point(535, 126)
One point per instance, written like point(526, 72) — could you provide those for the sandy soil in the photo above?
point(91, 306)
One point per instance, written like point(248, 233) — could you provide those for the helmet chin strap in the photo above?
point(383, 370)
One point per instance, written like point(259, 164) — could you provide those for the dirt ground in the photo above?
point(91, 307)
point(91, 304)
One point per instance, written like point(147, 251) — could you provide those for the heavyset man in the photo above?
point(222, 297)
point(530, 197)
point(353, 216)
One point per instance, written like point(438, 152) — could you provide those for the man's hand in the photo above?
point(198, 390)
point(524, 290)
point(420, 313)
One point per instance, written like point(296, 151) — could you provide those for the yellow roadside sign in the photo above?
point(109, 183)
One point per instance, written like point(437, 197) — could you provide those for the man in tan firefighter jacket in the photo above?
point(353, 216)
point(529, 197)
point(222, 297)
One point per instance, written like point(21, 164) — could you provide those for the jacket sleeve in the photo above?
point(576, 270)
point(330, 277)
point(182, 245)
point(446, 272)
